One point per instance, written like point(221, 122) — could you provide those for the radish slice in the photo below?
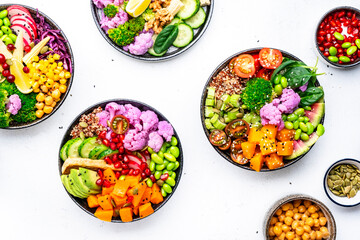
point(27, 34)
point(18, 7)
point(134, 159)
point(25, 18)
point(15, 11)
point(26, 25)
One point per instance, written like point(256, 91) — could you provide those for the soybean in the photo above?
point(357, 42)
point(170, 166)
point(167, 171)
point(339, 36)
point(278, 89)
point(13, 37)
point(163, 192)
point(174, 141)
point(6, 30)
point(307, 108)
point(284, 82)
point(166, 162)
point(333, 59)
point(156, 158)
point(310, 128)
point(297, 134)
point(160, 167)
point(277, 79)
point(152, 166)
point(344, 59)
point(170, 181)
point(7, 40)
point(173, 175)
point(304, 136)
point(333, 51)
point(160, 182)
point(122, 177)
point(1, 22)
point(149, 183)
point(299, 111)
point(149, 148)
point(170, 157)
point(306, 119)
point(289, 125)
point(303, 127)
point(6, 22)
point(296, 124)
point(346, 45)
point(301, 119)
point(161, 154)
point(167, 188)
point(351, 50)
point(177, 164)
point(292, 117)
point(320, 130)
point(157, 175)
point(163, 148)
point(1, 33)
point(174, 151)
point(3, 13)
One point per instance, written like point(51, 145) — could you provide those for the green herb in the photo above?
point(4, 114)
point(258, 91)
point(310, 96)
point(125, 33)
point(165, 38)
point(111, 10)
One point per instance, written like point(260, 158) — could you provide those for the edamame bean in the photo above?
point(13, 37)
point(173, 175)
point(3, 13)
point(122, 177)
point(289, 125)
point(307, 108)
point(292, 117)
point(278, 89)
point(320, 130)
point(170, 166)
point(310, 128)
point(357, 42)
point(8, 40)
point(277, 79)
point(149, 183)
point(303, 127)
point(333, 59)
point(156, 158)
point(346, 45)
point(301, 119)
point(161, 154)
point(170, 181)
point(163, 192)
point(152, 166)
point(1, 33)
point(296, 124)
point(3, 37)
point(167, 171)
point(166, 162)
point(167, 188)
point(159, 167)
point(306, 119)
point(304, 136)
point(333, 51)
point(339, 36)
point(177, 164)
point(174, 151)
point(284, 82)
point(6, 30)
point(1, 22)
point(174, 141)
point(351, 50)
point(283, 117)
point(169, 157)
point(299, 112)
point(6, 22)
point(157, 175)
point(344, 59)
point(163, 148)
point(151, 151)
point(297, 134)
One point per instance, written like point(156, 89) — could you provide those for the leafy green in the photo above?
point(165, 38)
point(310, 96)
point(125, 33)
point(4, 114)
point(111, 10)
point(258, 91)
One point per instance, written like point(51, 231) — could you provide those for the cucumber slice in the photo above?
point(73, 149)
point(190, 8)
point(197, 20)
point(97, 151)
point(151, 50)
point(86, 146)
point(185, 35)
point(107, 152)
point(175, 20)
point(63, 151)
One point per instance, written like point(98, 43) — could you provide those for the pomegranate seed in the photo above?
point(11, 47)
point(143, 166)
point(5, 66)
point(10, 78)
point(340, 62)
point(143, 175)
point(322, 33)
point(113, 135)
point(6, 73)
point(106, 142)
point(147, 172)
point(321, 49)
point(27, 48)
point(117, 175)
point(125, 166)
point(349, 30)
point(117, 165)
point(99, 182)
point(128, 152)
point(112, 146)
point(106, 183)
point(332, 23)
point(340, 50)
point(146, 152)
point(164, 177)
point(100, 173)
point(2, 58)
point(120, 156)
point(130, 199)
point(321, 39)
point(353, 17)
point(131, 172)
point(349, 14)
point(152, 177)
point(121, 149)
point(26, 69)
point(327, 44)
point(125, 172)
point(122, 136)
point(328, 37)
point(337, 45)
point(119, 143)
point(136, 172)
point(102, 134)
point(356, 31)
point(126, 159)
point(322, 25)
point(107, 160)
point(115, 140)
point(115, 158)
point(326, 54)
point(341, 14)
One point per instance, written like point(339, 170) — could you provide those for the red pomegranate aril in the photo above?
point(322, 33)
point(332, 23)
point(11, 47)
point(152, 177)
point(131, 172)
point(321, 49)
point(337, 45)
point(327, 45)
point(143, 175)
point(358, 53)
point(164, 177)
point(322, 25)
point(27, 48)
point(120, 157)
point(113, 135)
point(341, 14)
point(338, 23)
point(5, 66)
point(26, 69)
point(10, 78)
point(100, 173)
point(125, 172)
point(2, 58)
point(115, 158)
point(349, 14)
point(99, 182)
point(327, 26)
point(340, 50)
point(106, 183)
point(121, 149)
point(128, 152)
point(117, 165)
point(340, 62)
point(353, 17)
point(107, 160)
point(122, 137)
point(328, 37)
point(355, 31)
point(102, 134)
point(147, 172)
point(106, 142)
point(115, 140)
point(321, 39)
point(125, 166)
point(113, 146)
point(349, 30)
point(117, 175)
point(326, 54)
point(130, 199)
point(126, 159)
point(6, 73)
point(136, 172)
point(143, 166)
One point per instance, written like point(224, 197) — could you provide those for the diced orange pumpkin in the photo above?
point(107, 191)
point(105, 202)
point(145, 210)
point(156, 196)
point(257, 162)
point(146, 197)
point(270, 131)
point(92, 201)
point(248, 149)
point(105, 215)
point(136, 211)
point(285, 135)
point(121, 188)
point(98, 195)
point(274, 161)
point(285, 148)
point(119, 201)
point(126, 214)
point(267, 146)
point(110, 175)
point(137, 192)
point(255, 135)
point(133, 180)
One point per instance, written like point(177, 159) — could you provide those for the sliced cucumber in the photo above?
point(175, 20)
point(107, 152)
point(63, 151)
point(151, 50)
point(86, 146)
point(197, 20)
point(190, 8)
point(97, 151)
point(73, 149)
point(185, 36)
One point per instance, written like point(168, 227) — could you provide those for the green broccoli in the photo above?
point(124, 34)
point(136, 25)
point(257, 92)
point(4, 114)
point(111, 10)
point(148, 14)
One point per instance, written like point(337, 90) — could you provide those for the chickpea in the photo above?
point(296, 210)
point(44, 88)
point(316, 223)
point(53, 104)
point(299, 231)
point(315, 215)
point(39, 113)
point(271, 232)
point(48, 109)
point(278, 224)
point(307, 213)
point(288, 221)
point(309, 221)
point(278, 212)
point(273, 220)
point(285, 228)
point(56, 94)
point(290, 235)
point(40, 97)
point(302, 209)
point(277, 230)
point(319, 235)
point(321, 214)
point(297, 216)
point(282, 236)
point(287, 206)
point(301, 223)
point(307, 203)
point(295, 224)
point(322, 221)
point(297, 238)
point(62, 89)
point(297, 203)
point(312, 235)
point(307, 228)
point(312, 209)
point(282, 217)
point(304, 217)
point(325, 232)
point(289, 213)
point(39, 105)
point(305, 236)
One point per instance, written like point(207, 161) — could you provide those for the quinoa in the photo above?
point(227, 82)
point(88, 124)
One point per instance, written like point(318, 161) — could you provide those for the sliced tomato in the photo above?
point(231, 65)
point(270, 58)
point(226, 146)
point(239, 158)
point(264, 73)
point(257, 62)
point(119, 124)
point(218, 137)
point(237, 128)
point(244, 66)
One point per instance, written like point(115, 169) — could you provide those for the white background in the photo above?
point(215, 200)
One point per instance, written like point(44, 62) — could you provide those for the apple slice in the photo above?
point(27, 34)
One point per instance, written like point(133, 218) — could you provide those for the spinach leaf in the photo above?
point(165, 38)
point(297, 75)
point(283, 65)
point(310, 96)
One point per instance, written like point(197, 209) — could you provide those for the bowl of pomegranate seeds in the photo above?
point(337, 37)
point(120, 160)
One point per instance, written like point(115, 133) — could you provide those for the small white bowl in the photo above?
point(342, 201)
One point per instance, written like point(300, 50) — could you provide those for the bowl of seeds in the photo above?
point(342, 182)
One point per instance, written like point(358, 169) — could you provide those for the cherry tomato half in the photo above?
point(119, 124)
point(270, 58)
point(264, 73)
point(218, 137)
point(231, 65)
point(244, 66)
point(237, 128)
point(257, 62)
point(239, 158)
point(226, 146)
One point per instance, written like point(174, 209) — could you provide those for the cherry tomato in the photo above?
point(237, 128)
point(231, 65)
point(226, 146)
point(239, 158)
point(218, 137)
point(270, 58)
point(244, 66)
point(119, 124)
point(264, 73)
point(257, 62)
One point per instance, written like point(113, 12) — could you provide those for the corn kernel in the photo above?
point(56, 78)
point(60, 64)
point(36, 58)
point(46, 63)
point(40, 97)
point(48, 109)
point(56, 56)
point(35, 85)
point(49, 100)
point(37, 76)
point(37, 90)
point(67, 75)
point(50, 74)
point(53, 105)
point(62, 81)
point(39, 105)
point(62, 74)
point(39, 113)
point(51, 60)
point(44, 88)
point(62, 88)
point(53, 66)
point(59, 67)
point(55, 86)
point(48, 85)
point(56, 94)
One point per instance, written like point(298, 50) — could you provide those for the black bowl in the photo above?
point(225, 154)
point(70, 81)
point(172, 52)
point(319, 53)
point(82, 203)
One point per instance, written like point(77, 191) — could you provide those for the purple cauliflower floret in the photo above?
point(289, 101)
point(304, 87)
point(133, 114)
point(166, 130)
point(102, 3)
point(103, 116)
point(141, 44)
point(112, 108)
point(149, 120)
point(135, 140)
point(14, 104)
point(107, 23)
point(155, 141)
point(270, 114)
point(118, 2)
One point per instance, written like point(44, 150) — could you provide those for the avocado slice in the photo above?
point(66, 184)
point(89, 178)
point(75, 188)
point(74, 174)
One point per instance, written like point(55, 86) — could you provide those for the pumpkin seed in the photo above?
point(344, 180)
point(44, 49)
point(83, 124)
point(347, 189)
point(32, 44)
point(352, 193)
point(82, 136)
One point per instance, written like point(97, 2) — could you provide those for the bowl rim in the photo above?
point(203, 97)
point(126, 101)
point(325, 181)
point(336, 65)
point(70, 81)
point(152, 58)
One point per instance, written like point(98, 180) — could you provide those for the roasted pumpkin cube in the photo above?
point(105, 215)
point(110, 175)
point(105, 202)
point(257, 162)
point(137, 192)
point(146, 197)
point(248, 149)
point(267, 146)
point(156, 196)
point(145, 210)
point(92, 201)
point(126, 214)
point(119, 201)
point(285, 135)
point(255, 135)
point(121, 188)
point(274, 161)
point(285, 148)
point(107, 190)
point(270, 131)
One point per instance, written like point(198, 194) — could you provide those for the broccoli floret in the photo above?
point(111, 10)
point(136, 25)
point(148, 14)
point(4, 114)
point(124, 34)
point(258, 91)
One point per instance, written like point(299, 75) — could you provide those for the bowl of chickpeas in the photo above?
point(299, 217)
